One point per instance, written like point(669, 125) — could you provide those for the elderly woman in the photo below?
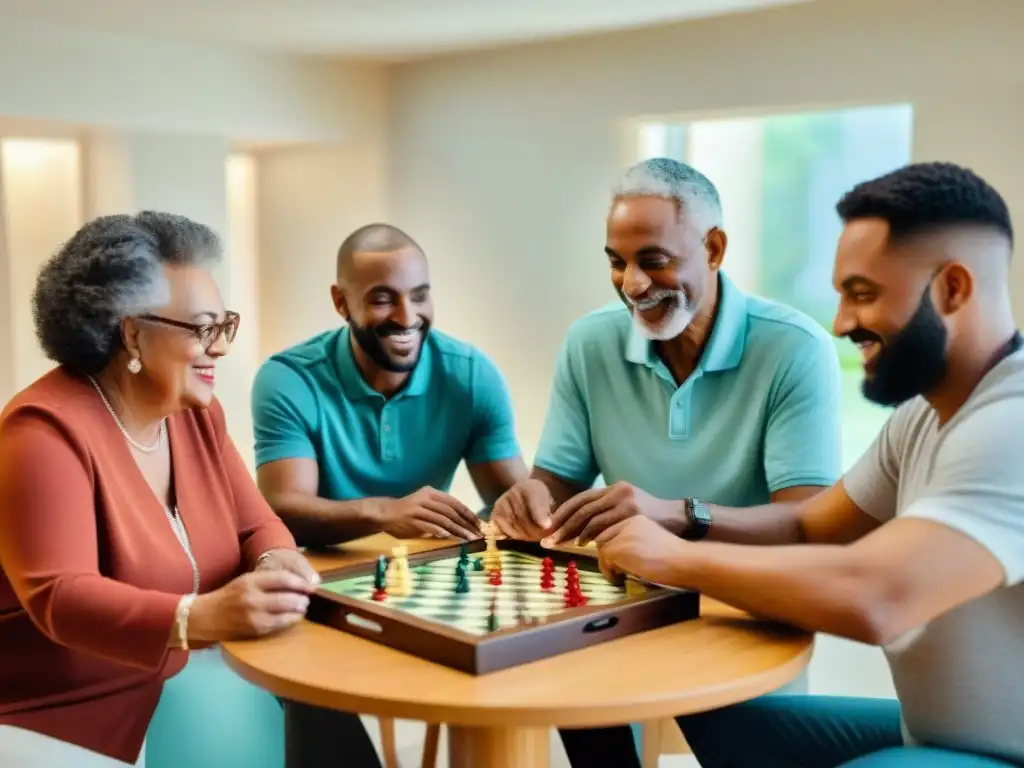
point(130, 529)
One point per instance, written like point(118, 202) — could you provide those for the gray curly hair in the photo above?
point(110, 269)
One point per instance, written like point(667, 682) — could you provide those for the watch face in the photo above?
point(701, 512)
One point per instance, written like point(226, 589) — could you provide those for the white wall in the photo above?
point(310, 199)
point(89, 78)
point(500, 161)
point(41, 207)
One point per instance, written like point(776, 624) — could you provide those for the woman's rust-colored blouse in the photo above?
point(91, 569)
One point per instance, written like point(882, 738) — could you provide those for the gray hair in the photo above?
point(112, 268)
point(671, 179)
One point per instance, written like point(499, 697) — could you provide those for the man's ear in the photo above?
point(955, 288)
point(338, 299)
point(715, 242)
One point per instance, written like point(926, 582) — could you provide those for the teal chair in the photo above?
point(209, 717)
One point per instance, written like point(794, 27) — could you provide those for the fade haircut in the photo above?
point(927, 197)
point(663, 177)
point(376, 237)
point(111, 269)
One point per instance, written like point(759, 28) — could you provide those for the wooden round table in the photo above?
point(502, 720)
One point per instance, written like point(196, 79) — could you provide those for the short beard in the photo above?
point(679, 313)
point(369, 340)
point(911, 362)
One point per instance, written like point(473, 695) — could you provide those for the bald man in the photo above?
point(919, 549)
point(346, 423)
point(361, 429)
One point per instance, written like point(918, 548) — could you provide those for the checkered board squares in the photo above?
point(434, 597)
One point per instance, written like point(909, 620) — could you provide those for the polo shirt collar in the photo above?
point(724, 349)
point(355, 386)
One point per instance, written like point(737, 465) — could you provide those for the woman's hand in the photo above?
point(253, 605)
point(287, 560)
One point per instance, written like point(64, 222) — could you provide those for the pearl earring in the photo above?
point(134, 365)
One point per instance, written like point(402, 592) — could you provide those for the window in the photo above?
point(780, 177)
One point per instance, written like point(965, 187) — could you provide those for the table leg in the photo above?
point(498, 747)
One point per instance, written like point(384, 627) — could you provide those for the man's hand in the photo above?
point(288, 560)
point(587, 514)
point(429, 513)
point(639, 547)
point(524, 511)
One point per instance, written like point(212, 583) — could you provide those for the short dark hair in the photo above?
point(110, 269)
point(924, 197)
point(373, 237)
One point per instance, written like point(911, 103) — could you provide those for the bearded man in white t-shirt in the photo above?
point(919, 548)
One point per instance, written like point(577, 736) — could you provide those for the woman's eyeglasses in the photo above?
point(207, 333)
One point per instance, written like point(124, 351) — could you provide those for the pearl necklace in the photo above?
point(173, 516)
point(161, 435)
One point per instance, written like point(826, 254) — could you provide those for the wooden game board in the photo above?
point(439, 624)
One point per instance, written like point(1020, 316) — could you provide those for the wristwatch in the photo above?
point(698, 520)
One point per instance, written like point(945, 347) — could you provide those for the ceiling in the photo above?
point(383, 29)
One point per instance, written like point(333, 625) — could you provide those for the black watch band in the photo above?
point(698, 520)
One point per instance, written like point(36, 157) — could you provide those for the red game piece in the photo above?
point(496, 578)
point(380, 594)
point(547, 581)
point(573, 596)
point(575, 600)
point(548, 565)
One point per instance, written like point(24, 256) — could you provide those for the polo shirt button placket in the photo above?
point(678, 426)
point(385, 437)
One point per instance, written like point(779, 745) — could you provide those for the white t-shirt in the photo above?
point(960, 678)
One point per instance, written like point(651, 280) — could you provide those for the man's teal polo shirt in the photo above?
point(759, 413)
point(311, 402)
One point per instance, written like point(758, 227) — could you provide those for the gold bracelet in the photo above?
point(181, 619)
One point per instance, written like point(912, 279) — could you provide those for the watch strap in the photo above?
point(698, 520)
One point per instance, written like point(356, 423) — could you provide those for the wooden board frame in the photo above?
point(569, 630)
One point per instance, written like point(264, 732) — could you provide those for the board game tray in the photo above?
point(436, 624)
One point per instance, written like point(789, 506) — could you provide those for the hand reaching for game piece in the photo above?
point(640, 547)
point(429, 512)
point(252, 605)
point(524, 511)
point(587, 514)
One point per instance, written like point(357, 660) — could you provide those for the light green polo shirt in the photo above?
point(759, 413)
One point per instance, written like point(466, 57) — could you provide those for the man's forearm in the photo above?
point(816, 587)
point(318, 522)
point(767, 524)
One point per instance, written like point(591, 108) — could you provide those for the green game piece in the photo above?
point(462, 585)
point(380, 575)
point(463, 553)
point(478, 564)
point(492, 622)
